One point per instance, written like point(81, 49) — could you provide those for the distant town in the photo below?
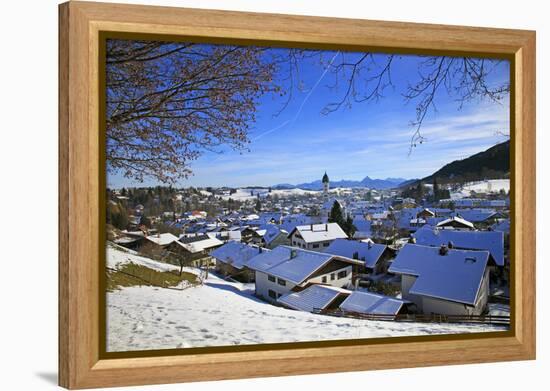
point(424, 252)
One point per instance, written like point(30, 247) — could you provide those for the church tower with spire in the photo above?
point(326, 184)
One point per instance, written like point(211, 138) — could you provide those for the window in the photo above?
point(272, 294)
point(332, 276)
point(280, 281)
point(325, 244)
point(271, 278)
point(316, 245)
point(342, 274)
point(278, 295)
point(294, 242)
point(324, 279)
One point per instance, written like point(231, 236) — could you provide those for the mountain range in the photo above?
point(371, 183)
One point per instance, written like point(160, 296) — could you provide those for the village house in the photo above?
point(478, 216)
point(316, 236)
point(442, 280)
point(425, 213)
point(455, 222)
point(193, 250)
point(232, 260)
point(161, 239)
point(269, 236)
point(373, 257)
point(285, 269)
point(363, 228)
point(492, 241)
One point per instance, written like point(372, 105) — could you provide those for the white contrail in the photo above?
point(299, 111)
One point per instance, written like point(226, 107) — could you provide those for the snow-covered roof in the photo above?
point(380, 215)
point(455, 219)
point(236, 254)
point(290, 263)
point(319, 232)
point(195, 244)
point(491, 241)
point(455, 276)
point(162, 239)
point(368, 252)
point(362, 225)
point(313, 297)
point(371, 303)
point(425, 212)
point(270, 232)
point(476, 215)
point(502, 226)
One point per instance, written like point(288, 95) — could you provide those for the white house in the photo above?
point(316, 236)
point(285, 269)
point(442, 280)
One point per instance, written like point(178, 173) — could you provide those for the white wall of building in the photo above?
point(297, 241)
point(336, 281)
point(429, 305)
point(264, 285)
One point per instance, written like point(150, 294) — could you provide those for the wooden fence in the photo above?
point(425, 318)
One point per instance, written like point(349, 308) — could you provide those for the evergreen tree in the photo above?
point(435, 190)
point(336, 215)
point(117, 216)
point(258, 206)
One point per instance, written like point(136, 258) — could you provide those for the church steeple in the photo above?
point(326, 184)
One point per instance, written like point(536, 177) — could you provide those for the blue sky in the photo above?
point(367, 139)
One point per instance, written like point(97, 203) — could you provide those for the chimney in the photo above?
point(443, 250)
point(293, 253)
point(326, 227)
point(311, 227)
point(450, 244)
point(260, 250)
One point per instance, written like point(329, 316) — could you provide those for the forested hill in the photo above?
point(493, 163)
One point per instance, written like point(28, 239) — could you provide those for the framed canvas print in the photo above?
point(246, 195)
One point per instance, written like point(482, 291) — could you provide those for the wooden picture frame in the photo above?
point(81, 364)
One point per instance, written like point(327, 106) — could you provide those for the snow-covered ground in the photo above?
point(252, 194)
point(221, 313)
point(488, 186)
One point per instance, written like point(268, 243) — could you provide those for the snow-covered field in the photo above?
point(488, 186)
point(252, 194)
point(222, 313)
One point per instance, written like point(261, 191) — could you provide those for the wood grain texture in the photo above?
point(79, 187)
